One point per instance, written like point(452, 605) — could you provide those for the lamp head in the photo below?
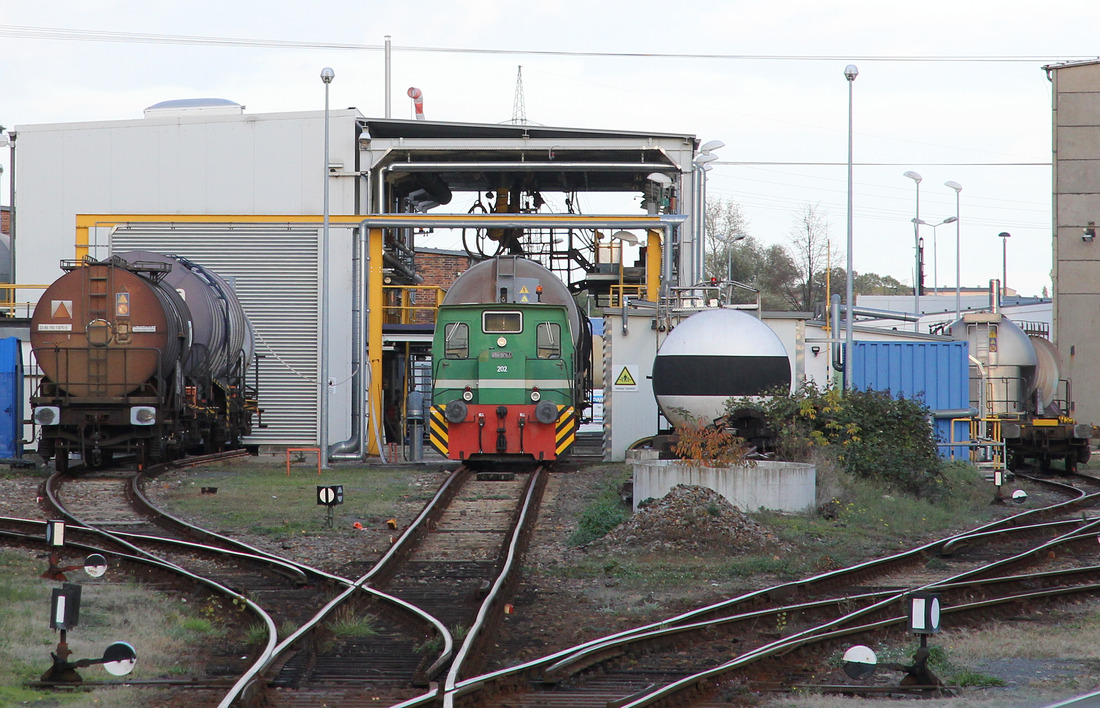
point(1004, 234)
point(659, 178)
point(913, 176)
point(954, 185)
point(327, 75)
point(949, 220)
point(851, 72)
point(711, 145)
point(625, 236)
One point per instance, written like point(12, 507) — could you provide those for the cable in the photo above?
point(81, 35)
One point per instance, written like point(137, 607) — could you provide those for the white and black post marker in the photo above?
point(329, 496)
point(860, 662)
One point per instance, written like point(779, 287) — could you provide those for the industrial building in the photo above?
point(245, 195)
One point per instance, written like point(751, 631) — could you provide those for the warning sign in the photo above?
point(627, 379)
point(61, 309)
point(122, 304)
point(524, 294)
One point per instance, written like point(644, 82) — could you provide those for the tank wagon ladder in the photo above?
point(98, 284)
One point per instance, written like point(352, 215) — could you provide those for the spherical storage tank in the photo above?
point(715, 355)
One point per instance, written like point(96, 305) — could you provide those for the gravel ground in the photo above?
point(19, 495)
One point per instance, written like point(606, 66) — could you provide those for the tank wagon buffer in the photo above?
point(511, 365)
point(1016, 385)
point(141, 354)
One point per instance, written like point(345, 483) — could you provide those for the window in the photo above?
point(548, 340)
point(456, 340)
point(502, 322)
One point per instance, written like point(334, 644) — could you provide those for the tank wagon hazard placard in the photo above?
point(59, 310)
point(626, 378)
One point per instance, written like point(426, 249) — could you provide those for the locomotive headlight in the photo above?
point(47, 415)
point(467, 395)
point(143, 415)
point(535, 395)
point(546, 412)
point(502, 342)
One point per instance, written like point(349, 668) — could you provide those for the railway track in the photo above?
point(701, 657)
point(455, 562)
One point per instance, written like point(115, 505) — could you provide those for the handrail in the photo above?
point(405, 311)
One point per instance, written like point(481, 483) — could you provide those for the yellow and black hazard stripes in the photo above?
point(566, 430)
point(437, 430)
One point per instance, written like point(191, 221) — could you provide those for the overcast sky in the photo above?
point(953, 90)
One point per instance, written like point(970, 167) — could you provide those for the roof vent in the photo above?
point(194, 106)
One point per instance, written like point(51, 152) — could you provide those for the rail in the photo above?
point(401, 305)
point(620, 291)
point(9, 307)
point(985, 443)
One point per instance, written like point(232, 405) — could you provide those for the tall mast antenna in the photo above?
point(519, 107)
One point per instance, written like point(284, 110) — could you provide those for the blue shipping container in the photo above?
point(937, 372)
point(11, 398)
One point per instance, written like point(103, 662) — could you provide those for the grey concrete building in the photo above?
point(1076, 145)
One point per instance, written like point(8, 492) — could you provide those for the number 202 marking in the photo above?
point(502, 369)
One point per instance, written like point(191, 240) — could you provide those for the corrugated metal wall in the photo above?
point(274, 270)
point(937, 371)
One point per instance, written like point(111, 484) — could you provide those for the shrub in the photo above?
point(598, 519)
point(706, 445)
point(872, 434)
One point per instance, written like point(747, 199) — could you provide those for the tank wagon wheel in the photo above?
point(61, 459)
point(1071, 463)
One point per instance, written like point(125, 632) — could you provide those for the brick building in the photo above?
point(439, 268)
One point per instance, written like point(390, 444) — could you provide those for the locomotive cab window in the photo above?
point(502, 322)
point(456, 340)
point(548, 340)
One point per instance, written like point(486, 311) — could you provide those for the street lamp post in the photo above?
point(958, 269)
point(850, 73)
point(327, 74)
point(729, 253)
point(702, 167)
point(916, 246)
point(1004, 262)
point(935, 267)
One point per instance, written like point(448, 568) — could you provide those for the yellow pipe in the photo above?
point(374, 335)
point(653, 266)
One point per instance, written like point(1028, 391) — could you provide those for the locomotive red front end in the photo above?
point(463, 432)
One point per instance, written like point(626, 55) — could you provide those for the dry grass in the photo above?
point(157, 625)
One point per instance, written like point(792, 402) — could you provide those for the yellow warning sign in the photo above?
point(61, 309)
point(524, 291)
point(625, 379)
point(122, 304)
